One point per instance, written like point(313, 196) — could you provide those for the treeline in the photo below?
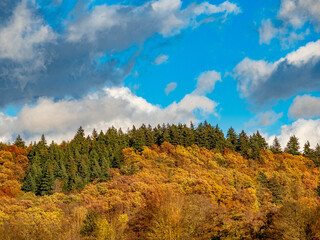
point(168, 192)
point(71, 166)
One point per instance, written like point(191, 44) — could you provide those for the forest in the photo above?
point(167, 182)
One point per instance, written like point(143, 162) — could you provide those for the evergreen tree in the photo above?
point(316, 156)
point(94, 134)
point(232, 139)
point(47, 180)
point(307, 151)
point(243, 144)
point(276, 147)
point(43, 140)
point(19, 142)
point(293, 146)
point(29, 184)
point(187, 136)
point(220, 141)
point(263, 145)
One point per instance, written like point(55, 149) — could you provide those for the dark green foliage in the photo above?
point(276, 190)
point(276, 147)
point(293, 146)
point(19, 142)
point(318, 189)
point(89, 224)
point(47, 180)
point(85, 159)
point(232, 139)
point(29, 184)
point(307, 151)
point(243, 144)
point(262, 178)
point(316, 156)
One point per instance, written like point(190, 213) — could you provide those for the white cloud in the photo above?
point(267, 31)
point(162, 58)
point(305, 106)
point(304, 130)
point(117, 107)
point(163, 16)
point(292, 16)
point(251, 74)
point(262, 81)
point(170, 87)
point(265, 119)
point(298, 12)
point(206, 82)
point(22, 34)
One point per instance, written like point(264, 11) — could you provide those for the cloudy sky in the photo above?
point(253, 65)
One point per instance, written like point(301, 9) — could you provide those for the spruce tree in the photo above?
point(261, 141)
point(232, 139)
point(19, 142)
point(29, 184)
point(243, 144)
point(293, 146)
point(47, 180)
point(307, 151)
point(276, 147)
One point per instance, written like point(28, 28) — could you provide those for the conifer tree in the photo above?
point(261, 141)
point(293, 146)
point(232, 139)
point(47, 180)
point(307, 151)
point(29, 184)
point(94, 134)
point(276, 147)
point(19, 142)
point(316, 155)
point(220, 141)
point(243, 144)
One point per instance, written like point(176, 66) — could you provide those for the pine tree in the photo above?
point(187, 136)
point(316, 156)
point(19, 142)
point(29, 184)
point(261, 141)
point(232, 139)
point(243, 144)
point(307, 151)
point(43, 140)
point(47, 180)
point(94, 134)
point(293, 146)
point(276, 147)
point(220, 141)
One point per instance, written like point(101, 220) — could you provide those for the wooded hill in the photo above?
point(170, 182)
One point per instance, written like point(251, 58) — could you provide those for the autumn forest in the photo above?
point(167, 182)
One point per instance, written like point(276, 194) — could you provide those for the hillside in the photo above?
point(170, 192)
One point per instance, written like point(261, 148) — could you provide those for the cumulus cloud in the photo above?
point(304, 130)
point(116, 106)
point(267, 31)
point(265, 119)
point(135, 23)
point(305, 106)
point(292, 15)
point(37, 60)
point(206, 82)
point(298, 12)
point(170, 87)
point(162, 58)
point(111, 106)
point(263, 81)
point(23, 34)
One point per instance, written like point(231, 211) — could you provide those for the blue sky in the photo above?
point(253, 65)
